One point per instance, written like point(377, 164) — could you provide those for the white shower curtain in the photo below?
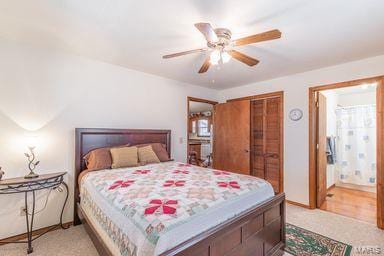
point(356, 145)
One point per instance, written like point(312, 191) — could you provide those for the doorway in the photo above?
point(200, 131)
point(346, 121)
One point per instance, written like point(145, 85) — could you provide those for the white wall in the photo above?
point(53, 93)
point(295, 89)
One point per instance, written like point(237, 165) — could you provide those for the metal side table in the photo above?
point(26, 186)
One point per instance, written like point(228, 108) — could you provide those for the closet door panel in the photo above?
point(272, 126)
point(272, 141)
point(231, 144)
point(258, 166)
point(266, 140)
point(272, 172)
point(257, 139)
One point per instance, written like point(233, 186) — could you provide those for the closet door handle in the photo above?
point(272, 155)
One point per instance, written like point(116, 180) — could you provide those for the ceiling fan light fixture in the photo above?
point(220, 45)
point(225, 57)
point(214, 57)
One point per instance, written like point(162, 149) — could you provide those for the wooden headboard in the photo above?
point(88, 139)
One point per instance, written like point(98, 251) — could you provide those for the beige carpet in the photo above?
point(75, 242)
point(70, 242)
point(344, 229)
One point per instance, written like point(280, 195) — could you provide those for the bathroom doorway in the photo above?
point(345, 153)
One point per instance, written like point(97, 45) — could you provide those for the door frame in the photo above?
point(379, 138)
point(321, 106)
point(281, 149)
point(189, 99)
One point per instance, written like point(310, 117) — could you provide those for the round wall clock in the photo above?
point(295, 114)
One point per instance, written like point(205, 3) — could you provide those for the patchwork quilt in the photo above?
point(158, 198)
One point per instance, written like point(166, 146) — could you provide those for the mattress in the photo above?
point(150, 209)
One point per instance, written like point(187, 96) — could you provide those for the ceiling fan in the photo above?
point(220, 43)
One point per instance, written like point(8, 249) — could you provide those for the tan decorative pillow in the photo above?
point(124, 157)
point(159, 149)
point(147, 155)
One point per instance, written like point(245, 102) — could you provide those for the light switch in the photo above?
point(181, 140)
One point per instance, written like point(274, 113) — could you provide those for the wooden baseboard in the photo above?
point(297, 204)
point(34, 233)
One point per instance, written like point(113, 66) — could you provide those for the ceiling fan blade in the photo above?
point(204, 68)
point(269, 35)
point(183, 53)
point(243, 58)
point(207, 30)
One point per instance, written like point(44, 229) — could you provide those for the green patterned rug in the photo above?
point(302, 242)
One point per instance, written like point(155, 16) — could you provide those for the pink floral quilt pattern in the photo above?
point(160, 197)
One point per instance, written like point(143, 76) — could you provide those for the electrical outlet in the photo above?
point(23, 211)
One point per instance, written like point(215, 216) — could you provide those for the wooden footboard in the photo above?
point(259, 231)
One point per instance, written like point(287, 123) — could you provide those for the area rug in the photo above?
point(302, 242)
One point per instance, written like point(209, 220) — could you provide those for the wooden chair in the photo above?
point(192, 157)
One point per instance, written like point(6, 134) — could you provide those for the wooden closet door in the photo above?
point(272, 142)
point(267, 140)
point(257, 147)
point(231, 141)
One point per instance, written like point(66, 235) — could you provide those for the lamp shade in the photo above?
point(31, 141)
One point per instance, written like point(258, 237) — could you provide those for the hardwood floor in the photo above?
point(356, 204)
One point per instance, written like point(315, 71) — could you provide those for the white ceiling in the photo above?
point(358, 89)
point(135, 34)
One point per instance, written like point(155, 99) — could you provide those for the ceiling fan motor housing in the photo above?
point(224, 39)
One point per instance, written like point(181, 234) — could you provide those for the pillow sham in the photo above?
point(147, 155)
point(159, 149)
point(124, 157)
point(100, 158)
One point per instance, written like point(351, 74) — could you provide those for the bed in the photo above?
point(189, 210)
